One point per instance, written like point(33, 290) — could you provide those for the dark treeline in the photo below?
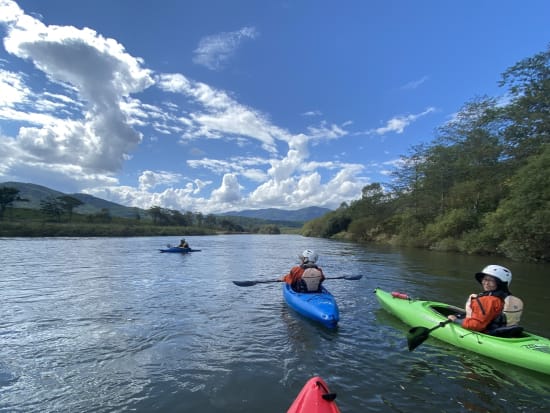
point(482, 186)
point(56, 217)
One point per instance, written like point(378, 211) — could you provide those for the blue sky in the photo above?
point(218, 106)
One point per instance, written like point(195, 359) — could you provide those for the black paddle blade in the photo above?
point(329, 397)
point(245, 283)
point(416, 336)
point(251, 283)
point(353, 277)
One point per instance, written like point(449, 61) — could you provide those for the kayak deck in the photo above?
point(178, 250)
point(320, 307)
point(314, 397)
point(528, 350)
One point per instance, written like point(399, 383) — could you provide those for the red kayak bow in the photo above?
point(314, 397)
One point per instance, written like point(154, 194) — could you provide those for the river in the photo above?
point(113, 325)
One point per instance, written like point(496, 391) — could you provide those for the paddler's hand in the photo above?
point(451, 317)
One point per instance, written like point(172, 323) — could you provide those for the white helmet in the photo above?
point(309, 256)
point(497, 271)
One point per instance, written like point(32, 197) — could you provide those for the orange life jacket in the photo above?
point(485, 308)
point(305, 278)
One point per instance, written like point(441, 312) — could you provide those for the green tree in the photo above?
point(52, 207)
point(468, 158)
point(103, 216)
point(8, 195)
point(179, 219)
point(190, 218)
point(69, 203)
point(156, 213)
point(528, 114)
point(200, 218)
point(521, 224)
point(335, 224)
point(407, 178)
point(269, 229)
point(210, 220)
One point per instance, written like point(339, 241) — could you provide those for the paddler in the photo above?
point(183, 244)
point(306, 277)
point(484, 310)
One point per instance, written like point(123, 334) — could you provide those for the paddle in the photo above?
point(183, 248)
point(417, 335)
point(251, 283)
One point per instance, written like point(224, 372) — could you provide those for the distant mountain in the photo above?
point(93, 204)
point(36, 193)
point(32, 193)
point(274, 214)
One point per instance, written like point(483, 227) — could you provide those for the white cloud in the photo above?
point(399, 123)
point(306, 190)
point(415, 83)
point(312, 113)
point(88, 121)
point(246, 167)
point(326, 131)
point(215, 50)
point(229, 192)
point(222, 115)
point(11, 12)
point(98, 70)
point(13, 89)
point(149, 179)
point(171, 198)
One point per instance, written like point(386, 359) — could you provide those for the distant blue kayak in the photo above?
point(320, 307)
point(178, 249)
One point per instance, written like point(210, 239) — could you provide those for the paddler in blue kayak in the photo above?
point(306, 277)
point(484, 310)
point(183, 244)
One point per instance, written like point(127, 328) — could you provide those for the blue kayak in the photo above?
point(178, 249)
point(320, 307)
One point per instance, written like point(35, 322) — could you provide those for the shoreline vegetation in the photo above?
point(479, 187)
point(50, 229)
point(56, 219)
point(70, 229)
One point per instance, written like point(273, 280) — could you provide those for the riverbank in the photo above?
point(48, 229)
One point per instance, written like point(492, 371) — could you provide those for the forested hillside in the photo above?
point(482, 185)
point(33, 210)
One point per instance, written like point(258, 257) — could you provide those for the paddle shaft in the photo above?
point(251, 283)
point(417, 335)
point(441, 324)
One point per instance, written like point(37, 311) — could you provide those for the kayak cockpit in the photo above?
point(445, 310)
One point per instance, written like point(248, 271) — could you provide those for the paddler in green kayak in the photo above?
point(486, 311)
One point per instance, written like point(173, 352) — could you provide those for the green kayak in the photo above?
point(526, 350)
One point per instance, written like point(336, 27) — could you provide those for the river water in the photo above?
point(113, 325)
